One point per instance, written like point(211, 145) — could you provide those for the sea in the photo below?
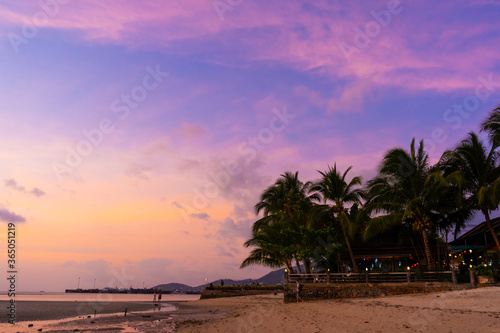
point(88, 298)
point(100, 297)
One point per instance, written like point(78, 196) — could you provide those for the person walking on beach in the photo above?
point(154, 297)
point(298, 289)
point(159, 297)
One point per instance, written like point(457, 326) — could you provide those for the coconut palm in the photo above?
point(269, 244)
point(479, 167)
point(284, 200)
point(284, 206)
point(492, 126)
point(405, 191)
point(338, 195)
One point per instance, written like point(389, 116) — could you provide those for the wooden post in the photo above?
point(454, 276)
point(367, 277)
point(328, 276)
point(408, 276)
point(472, 277)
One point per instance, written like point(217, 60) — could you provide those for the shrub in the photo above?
point(482, 270)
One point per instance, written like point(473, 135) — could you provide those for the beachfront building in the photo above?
point(477, 246)
point(396, 250)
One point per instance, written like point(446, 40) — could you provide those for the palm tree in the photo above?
point(284, 206)
point(284, 200)
point(269, 244)
point(336, 191)
point(405, 191)
point(492, 126)
point(479, 167)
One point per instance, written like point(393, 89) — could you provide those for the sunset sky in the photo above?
point(136, 136)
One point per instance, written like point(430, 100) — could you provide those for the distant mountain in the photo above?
point(274, 277)
point(175, 287)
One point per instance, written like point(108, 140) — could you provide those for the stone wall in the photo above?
point(232, 293)
point(317, 291)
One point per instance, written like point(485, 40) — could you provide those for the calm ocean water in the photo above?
point(71, 297)
point(87, 298)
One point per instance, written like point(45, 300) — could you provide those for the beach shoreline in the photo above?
point(54, 316)
point(53, 310)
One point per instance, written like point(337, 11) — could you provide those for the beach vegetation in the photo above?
point(478, 167)
point(408, 190)
point(485, 270)
point(312, 225)
point(338, 194)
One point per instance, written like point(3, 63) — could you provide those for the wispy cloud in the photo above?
point(11, 217)
point(12, 183)
point(223, 251)
point(190, 131)
point(306, 39)
point(201, 216)
point(138, 170)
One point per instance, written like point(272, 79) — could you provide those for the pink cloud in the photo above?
point(349, 98)
point(189, 131)
point(305, 36)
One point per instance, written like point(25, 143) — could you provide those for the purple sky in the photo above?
point(136, 138)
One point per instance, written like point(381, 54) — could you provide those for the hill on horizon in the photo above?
point(274, 277)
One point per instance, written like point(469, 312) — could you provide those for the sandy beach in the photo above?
point(472, 310)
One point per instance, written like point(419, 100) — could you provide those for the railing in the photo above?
point(367, 277)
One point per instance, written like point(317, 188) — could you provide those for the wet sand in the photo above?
point(35, 310)
point(141, 317)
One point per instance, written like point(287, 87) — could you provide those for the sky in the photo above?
point(136, 137)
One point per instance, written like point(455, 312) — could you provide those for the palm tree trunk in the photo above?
point(430, 261)
point(438, 254)
point(340, 264)
point(354, 265)
point(490, 227)
point(307, 265)
point(299, 270)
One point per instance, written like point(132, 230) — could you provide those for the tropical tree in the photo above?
point(406, 190)
point(491, 125)
point(480, 173)
point(338, 195)
point(270, 246)
point(284, 206)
